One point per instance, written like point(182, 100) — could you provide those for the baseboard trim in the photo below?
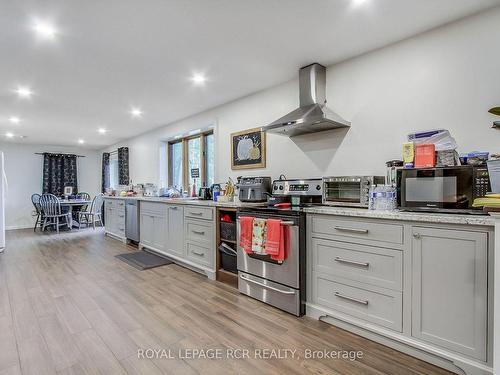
point(15, 227)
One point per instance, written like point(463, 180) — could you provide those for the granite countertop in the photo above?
point(484, 220)
point(191, 201)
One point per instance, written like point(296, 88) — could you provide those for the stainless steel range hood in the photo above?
point(313, 115)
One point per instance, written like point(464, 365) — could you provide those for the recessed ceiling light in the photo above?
point(358, 2)
point(81, 141)
point(136, 112)
point(198, 79)
point(14, 119)
point(9, 135)
point(44, 29)
point(102, 131)
point(24, 92)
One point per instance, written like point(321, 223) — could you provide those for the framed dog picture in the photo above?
point(248, 149)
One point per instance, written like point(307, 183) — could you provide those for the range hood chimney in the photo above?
point(313, 115)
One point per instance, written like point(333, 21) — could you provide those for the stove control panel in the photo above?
point(313, 187)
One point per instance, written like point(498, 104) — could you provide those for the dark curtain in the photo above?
point(123, 177)
point(105, 171)
point(59, 170)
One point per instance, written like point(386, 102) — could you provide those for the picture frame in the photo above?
point(248, 149)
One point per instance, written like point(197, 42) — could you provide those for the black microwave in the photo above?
point(445, 189)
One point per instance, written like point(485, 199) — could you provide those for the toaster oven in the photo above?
point(350, 191)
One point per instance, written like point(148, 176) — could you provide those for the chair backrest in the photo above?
point(50, 205)
point(85, 196)
point(96, 207)
point(35, 199)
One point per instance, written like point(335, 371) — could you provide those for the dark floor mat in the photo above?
point(142, 260)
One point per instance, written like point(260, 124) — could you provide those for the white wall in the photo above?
point(445, 78)
point(24, 175)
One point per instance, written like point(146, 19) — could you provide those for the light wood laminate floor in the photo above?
point(68, 306)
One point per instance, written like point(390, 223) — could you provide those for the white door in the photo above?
point(3, 191)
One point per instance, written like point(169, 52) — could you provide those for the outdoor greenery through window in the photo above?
point(191, 161)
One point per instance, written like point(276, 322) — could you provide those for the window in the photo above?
point(209, 160)
point(113, 171)
point(176, 160)
point(194, 158)
point(191, 161)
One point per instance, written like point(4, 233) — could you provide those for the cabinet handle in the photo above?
point(200, 232)
point(342, 260)
point(340, 295)
point(198, 253)
point(121, 215)
point(196, 213)
point(173, 207)
point(352, 230)
point(417, 236)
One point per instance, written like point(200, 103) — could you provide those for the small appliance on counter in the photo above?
point(253, 189)
point(205, 193)
point(349, 191)
point(150, 190)
point(446, 189)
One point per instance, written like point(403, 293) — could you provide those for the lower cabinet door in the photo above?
point(175, 234)
point(147, 223)
point(109, 220)
point(160, 232)
point(449, 296)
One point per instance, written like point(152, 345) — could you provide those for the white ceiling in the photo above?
point(111, 55)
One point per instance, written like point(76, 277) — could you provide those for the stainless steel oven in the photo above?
point(350, 191)
point(279, 284)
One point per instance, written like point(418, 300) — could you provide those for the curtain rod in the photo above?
point(60, 153)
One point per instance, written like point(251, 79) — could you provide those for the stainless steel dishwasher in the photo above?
point(132, 220)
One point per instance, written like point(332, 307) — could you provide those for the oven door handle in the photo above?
point(266, 286)
point(288, 223)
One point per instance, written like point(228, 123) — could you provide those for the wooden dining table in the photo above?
point(70, 203)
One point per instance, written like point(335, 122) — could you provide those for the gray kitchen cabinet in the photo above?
point(114, 218)
point(418, 287)
point(154, 226)
point(175, 230)
point(183, 233)
point(449, 289)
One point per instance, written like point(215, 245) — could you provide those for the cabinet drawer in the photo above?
point(119, 217)
point(381, 307)
point(199, 212)
point(367, 264)
point(200, 254)
point(199, 231)
point(154, 208)
point(347, 227)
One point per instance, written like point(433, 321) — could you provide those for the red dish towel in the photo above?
point(246, 230)
point(275, 241)
point(273, 238)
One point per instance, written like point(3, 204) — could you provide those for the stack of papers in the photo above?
point(490, 200)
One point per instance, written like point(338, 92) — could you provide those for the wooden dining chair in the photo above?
point(52, 212)
point(76, 210)
point(38, 213)
point(94, 215)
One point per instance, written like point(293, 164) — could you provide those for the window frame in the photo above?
point(185, 158)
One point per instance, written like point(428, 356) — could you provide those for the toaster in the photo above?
point(253, 189)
